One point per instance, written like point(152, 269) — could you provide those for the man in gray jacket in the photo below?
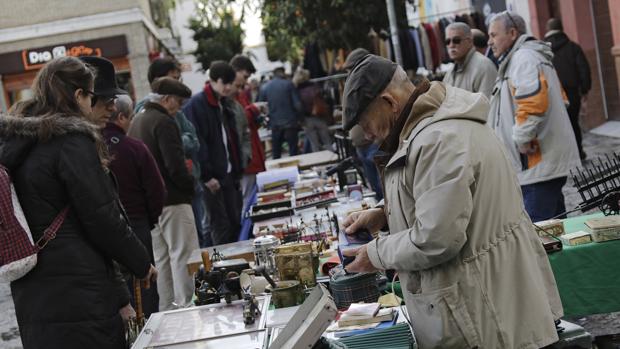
point(473, 271)
point(472, 71)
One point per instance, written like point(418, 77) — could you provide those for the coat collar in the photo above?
point(113, 129)
point(470, 54)
point(212, 98)
point(42, 128)
point(156, 106)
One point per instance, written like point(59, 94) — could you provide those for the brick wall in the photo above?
point(604, 38)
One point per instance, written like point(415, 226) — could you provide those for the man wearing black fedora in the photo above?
point(105, 90)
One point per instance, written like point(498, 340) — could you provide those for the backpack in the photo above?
point(18, 251)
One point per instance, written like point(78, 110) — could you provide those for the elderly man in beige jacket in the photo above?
point(472, 71)
point(473, 271)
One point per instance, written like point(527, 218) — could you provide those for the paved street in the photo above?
point(597, 325)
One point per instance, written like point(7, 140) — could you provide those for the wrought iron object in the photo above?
point(599, 184)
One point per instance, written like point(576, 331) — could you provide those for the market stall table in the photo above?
point(304, 161)
point(588, 276)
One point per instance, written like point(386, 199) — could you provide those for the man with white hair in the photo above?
point(528, 114)
point(140, 186)
point(174, 235)
point(472, 71)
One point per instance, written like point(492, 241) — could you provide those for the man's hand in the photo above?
point(213, 185)
point(262, 107)
point(372, 220)
point(362, 263)
point(528, 148)
point(127, 312)
point(150, 277)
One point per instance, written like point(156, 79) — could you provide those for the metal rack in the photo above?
point(599, 184)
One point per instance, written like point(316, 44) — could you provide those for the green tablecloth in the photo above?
point(588, 276)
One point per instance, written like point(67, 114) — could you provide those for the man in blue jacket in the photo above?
point(284, 106)
point(220, 152)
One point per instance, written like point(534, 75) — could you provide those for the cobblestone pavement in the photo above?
point(597, 325)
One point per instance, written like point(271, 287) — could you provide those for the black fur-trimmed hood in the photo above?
point(43, 128)
point(19, 134)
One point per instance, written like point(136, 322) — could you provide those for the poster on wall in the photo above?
point(489, 7)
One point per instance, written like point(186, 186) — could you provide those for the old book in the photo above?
point(553, 227)
point(604, 228)
point(609, 222)
point(355, 320)
point(576, 238)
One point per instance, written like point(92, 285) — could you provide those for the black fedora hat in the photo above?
point(105, 79)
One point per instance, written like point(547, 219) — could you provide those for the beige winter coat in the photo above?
point(476, 74)
point(473, 271)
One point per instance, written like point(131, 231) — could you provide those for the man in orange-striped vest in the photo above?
point(528, 113)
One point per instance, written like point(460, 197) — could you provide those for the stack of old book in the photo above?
point(365, 314)
point(604, 228)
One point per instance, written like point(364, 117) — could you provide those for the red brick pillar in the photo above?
point(614, 14)
point(539, 15)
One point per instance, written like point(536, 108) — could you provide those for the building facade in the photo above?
point(35, 32)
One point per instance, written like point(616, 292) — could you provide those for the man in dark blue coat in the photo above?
point(220, 152)
point(284, 108)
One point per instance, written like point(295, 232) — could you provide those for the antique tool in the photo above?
point(287, 293)
point(261, 270)
point(264, 252)
point(135, 324)
point(296, 262)
point(250, 308)
point(599, 184)
point(237, 265)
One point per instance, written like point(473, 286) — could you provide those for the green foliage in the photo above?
point(218, 34)
point(333, 24)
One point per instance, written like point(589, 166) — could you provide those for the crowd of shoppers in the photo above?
point(146, 185)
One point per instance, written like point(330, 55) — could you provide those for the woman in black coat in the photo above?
point(56, 158)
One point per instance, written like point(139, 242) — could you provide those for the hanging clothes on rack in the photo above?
point(434, 44)
point(312, 61)
point(418, 45)
point(426, 48)
point(410, 60)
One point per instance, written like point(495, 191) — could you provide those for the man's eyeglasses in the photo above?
point(456, 40)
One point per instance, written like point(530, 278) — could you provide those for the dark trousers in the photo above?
point(224, 210)
point(200, 216)
point(544, 200)
point(574, 98)
point(280, 135)
point(150, 297)
point(366, 155)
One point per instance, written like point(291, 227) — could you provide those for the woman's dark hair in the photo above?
point(222, 70)
point(161, 67)
point(54, 88)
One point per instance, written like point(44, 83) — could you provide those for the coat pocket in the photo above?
point(441, 320)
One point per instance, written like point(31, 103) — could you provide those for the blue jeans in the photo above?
point(201, 216)
point(544, 200)
point(366, 155)
point(280, 135)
